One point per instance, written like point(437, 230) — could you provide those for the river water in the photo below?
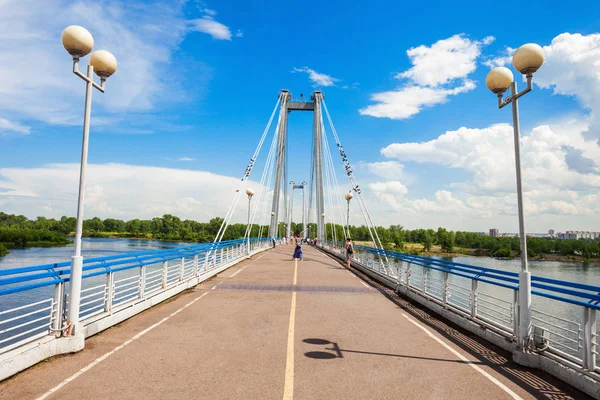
point(568, 271)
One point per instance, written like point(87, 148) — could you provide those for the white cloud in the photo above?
point(36, 82)
point(186, 159)
point(208, 25)
point(317, 78)
point(438, 72)
point(388, 170)
point(571, 69)
point(410, 100)
point(445, 60)
point(504, 59)
point(9, 126)
point(560, 178)
point(208, 11)
point(119, 190)
point(239, 33)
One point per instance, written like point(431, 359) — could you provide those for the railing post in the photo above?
point(164, 274)
point(589, 338)
point(195, 264)
point(221, 256)
point(110, 291)
point(408, 274)
point(424, 278)
point(206, 256)
point(446, 287)
point(181, 268)
point(57, 312)
point(474, 297)
point(516, 313)
point(142, 281)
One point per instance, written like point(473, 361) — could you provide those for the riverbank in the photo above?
point(436, 251)
point(131, 236)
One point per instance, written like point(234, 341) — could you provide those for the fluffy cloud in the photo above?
point(410, 100)
point(119, 190)
point(215, 29)
point(445, 60)
point(438, 72)
point(561, 175)
point(7, 126)
point(560, 178)
point(317, 78)
point(571, 69)
point(36, 82)
point(388, 170)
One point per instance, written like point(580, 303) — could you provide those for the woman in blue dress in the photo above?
point(298, 249)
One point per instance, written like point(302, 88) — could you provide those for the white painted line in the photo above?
point(214, 287)
point(466, 360)
point(244, 267)
point(113, 351)
point(364, 284)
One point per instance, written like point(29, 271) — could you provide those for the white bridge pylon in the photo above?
point(323, 180)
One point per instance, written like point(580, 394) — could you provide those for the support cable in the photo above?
point(356, 188)
point(262, 187)
point(245, 177)
point(270, 173)
point(336, 187)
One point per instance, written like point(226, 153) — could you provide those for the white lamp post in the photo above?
point(250, 193)
point(527, 60)
point(324, 226)
point(79, 43)
point(348, 197)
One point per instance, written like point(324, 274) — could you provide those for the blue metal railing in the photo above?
point(50, 274)
point(33, 300)
point(582, 294)
point(566, 328)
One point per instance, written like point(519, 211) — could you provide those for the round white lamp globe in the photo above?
point(104, 63)
point(528, 58)
point(499, 79)
point(77, 40)
point(349, 196)
point(250, 192)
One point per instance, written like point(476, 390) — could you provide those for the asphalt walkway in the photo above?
point(272, 328)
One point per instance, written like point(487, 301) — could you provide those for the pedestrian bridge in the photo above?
point(267, 327)
point(240, 319)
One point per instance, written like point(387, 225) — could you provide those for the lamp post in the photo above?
point(79, 43)
point(348, 197)
point(250, 193)
point(324, 227)
point(527, 60)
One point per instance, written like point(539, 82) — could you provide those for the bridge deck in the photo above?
point(245, 334)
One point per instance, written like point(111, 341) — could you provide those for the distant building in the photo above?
point(578, 235)
point(494, 232)
point(551, 233)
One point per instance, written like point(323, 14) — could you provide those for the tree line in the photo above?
point(19, 231)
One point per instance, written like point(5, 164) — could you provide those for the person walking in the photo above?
point(298, 248)
point(349, 251)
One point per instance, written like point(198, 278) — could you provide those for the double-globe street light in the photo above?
point(527, 60)
point(348, 197)
point(79, 43)
point(250, 193)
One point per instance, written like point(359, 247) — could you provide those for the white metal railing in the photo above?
point(33, 300)
point(490, 298)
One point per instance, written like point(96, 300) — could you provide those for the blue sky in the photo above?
point(197, 81)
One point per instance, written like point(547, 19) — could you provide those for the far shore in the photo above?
point(436, 251)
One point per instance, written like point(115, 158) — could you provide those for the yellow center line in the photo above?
point(288, 389)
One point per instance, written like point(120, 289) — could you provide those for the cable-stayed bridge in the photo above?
point(244, 320)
